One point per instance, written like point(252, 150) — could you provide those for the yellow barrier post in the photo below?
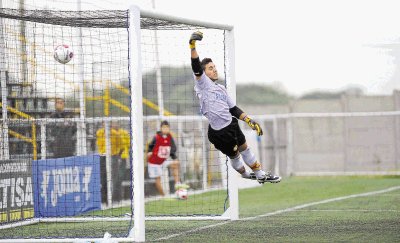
point(20, 136)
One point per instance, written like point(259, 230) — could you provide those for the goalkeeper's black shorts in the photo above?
point(228, 139)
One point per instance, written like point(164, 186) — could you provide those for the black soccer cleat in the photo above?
point(252, 176)
point(268, 178)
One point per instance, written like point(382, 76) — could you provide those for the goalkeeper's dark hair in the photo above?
point(204, 62)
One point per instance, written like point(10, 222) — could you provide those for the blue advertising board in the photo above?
point(66, 186)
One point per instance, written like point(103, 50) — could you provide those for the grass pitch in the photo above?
point(374, 218)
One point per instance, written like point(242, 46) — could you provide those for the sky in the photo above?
point(300, 46)
point(308, 45)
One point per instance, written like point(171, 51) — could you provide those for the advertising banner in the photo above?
point(66, 186)
point(16, 194)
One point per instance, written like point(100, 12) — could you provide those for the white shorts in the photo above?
point(156, 170)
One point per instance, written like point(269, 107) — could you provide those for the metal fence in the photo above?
point(331, 143)
point(293, 144)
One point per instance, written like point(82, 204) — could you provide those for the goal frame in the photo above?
point(135, 72)
point(137, 232)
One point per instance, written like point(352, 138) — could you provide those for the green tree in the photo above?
point(332, 94)
point(260, 94)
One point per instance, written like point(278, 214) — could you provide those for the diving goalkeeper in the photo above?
point(222, 114)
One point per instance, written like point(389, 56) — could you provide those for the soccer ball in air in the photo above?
point(63, 54)
point(182, 194)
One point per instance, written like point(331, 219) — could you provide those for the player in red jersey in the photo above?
point(159, 150)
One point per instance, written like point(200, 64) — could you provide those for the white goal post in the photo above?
point(138, 231)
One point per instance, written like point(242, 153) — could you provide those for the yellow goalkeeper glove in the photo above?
point(196, 36)
point(254, 125)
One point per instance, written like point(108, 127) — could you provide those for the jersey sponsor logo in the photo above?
point(163, 152)
point(219, 96)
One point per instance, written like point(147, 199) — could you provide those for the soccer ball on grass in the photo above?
point(182, 194)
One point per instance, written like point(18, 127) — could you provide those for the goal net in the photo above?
point(76, 137)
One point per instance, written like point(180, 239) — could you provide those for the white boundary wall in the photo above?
point(315, 143)
point(354, 143)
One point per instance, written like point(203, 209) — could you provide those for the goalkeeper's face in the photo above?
point(211, 71)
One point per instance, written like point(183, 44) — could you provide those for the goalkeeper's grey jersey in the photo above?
point(214, 102)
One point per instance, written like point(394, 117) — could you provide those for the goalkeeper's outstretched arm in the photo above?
point(196, 66)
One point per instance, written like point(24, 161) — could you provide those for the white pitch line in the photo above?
point(282, 211)
point(349, 210)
